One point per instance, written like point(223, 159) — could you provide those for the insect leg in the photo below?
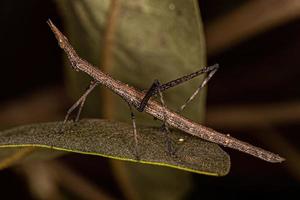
point(134, 133)
point(164, 127)
point(153, 90)
point(188, 77)
point(80, 102)
point(212, 70)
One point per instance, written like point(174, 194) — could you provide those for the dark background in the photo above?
point(260, 70)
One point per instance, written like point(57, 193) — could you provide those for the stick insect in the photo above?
point(143, 102)
point(156, 88)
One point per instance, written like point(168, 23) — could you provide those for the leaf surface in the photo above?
point(115, 140)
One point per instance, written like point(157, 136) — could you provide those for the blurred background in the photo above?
point(255, 97)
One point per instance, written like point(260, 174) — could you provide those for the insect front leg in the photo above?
point(80, 102)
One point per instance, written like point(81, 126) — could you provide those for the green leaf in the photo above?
point(115, 140)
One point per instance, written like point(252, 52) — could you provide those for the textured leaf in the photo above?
point(115, 140)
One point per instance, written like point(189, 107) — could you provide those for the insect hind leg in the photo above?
point(211, 70)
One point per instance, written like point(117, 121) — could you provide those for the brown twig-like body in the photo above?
point(134, 98)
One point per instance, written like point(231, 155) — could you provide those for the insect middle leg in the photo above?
point(155, 89)
point(165, 128)
point(136, 148)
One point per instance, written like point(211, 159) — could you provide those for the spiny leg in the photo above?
point(134, 133)
point(212, 70)
point(80, 102)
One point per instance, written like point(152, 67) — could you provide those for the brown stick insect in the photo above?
point(143, 102)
